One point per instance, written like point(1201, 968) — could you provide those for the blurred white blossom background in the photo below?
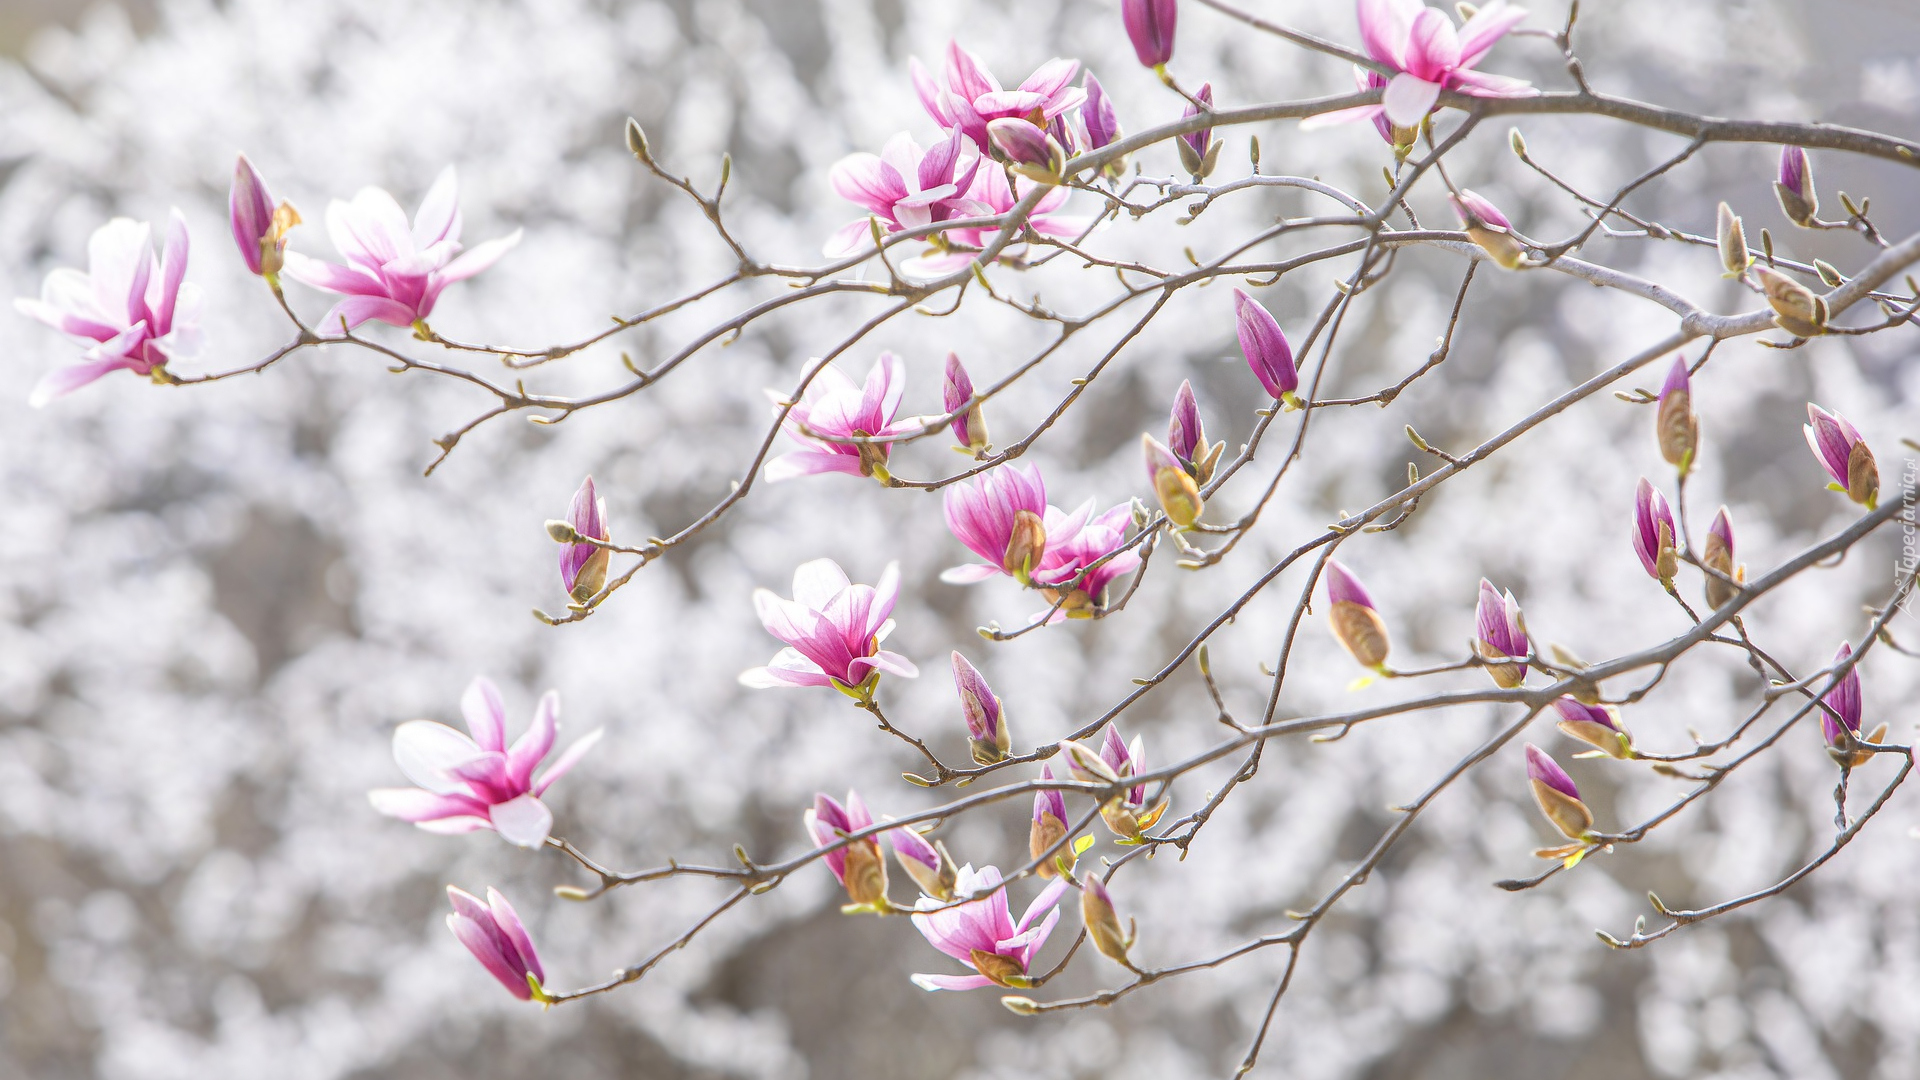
point(217, 603)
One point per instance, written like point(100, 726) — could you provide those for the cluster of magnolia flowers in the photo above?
point(135, 312)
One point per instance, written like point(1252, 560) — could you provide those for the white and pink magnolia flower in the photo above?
point(1001, 517)
point(1428, 55)
point(972, 96)
point(130, 309)
point(982, 934)
point(834, 407)
point(833, 630)
point(904, 186)
point(394, 272)
point(467, 784)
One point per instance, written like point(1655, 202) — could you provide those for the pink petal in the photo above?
point(533, 746)
point(372, 230)
point(486, 714)
point(952, 982)
point(1487, 26)
point(1051, 77)
point(173, 268)
point(894, 663)
point(63, 381)
point(66, 303)
point(119, 262)
point(455, 826)
point(1384, 25)
point(485, 943)
point(439, 215)
point(851, 237)
point(330, 276)
point(567, 760)
point(355, 310)
point(508, 920)
point(1408, 100)
point(475, 259)
point(1482, 84)
point(810, 463)
point(1433, 48)
point(817, 581)
point(524, 821)
point(867, 181)
point(969, 574)
point(416, 805)
point(1340, 116)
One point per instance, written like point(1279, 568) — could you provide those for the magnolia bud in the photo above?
point(1355, 623)
point(866, 873)
point(1486, 226)
point(1102, 922)
point(1026, 543)
point(1733, 243)
point(1594, 724)
point(1675, 424)
point(1030, 151)
point(561, 532)
point(1796, 308)
point(1717, 556)
point(1179, 496)
point(1798, 199)
point(1559, 800)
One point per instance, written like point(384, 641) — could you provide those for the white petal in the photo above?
point(525, 821)
point(428, 752)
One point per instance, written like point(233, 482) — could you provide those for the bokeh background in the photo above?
point(216, 604)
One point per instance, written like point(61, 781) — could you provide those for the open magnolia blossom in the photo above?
point(394, 272)
point(833, 630)
point(131, 310)
point(1429, 54)
point(466, 784)
point(831, 409)
point(982, 934)
point(905, 187)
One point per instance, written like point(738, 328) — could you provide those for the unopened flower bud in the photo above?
point(637, 140)
point(970, 425)
point(1103, 922)
point(1198, 151)
point(1654, 533)
point(259, 226)
point(1733, 242)
point(583, 567)
point(1596, 725)
point(1049, 828)
point(1717, 556)
point(1030, 151)
point(1675, 423)
point(1501, 636)
point(1559, 800)
point(1179, 496)
point(1844, 454)
point(1265, 347)
point(1796, 308)
point(561, 532)
point(1798, 199)
point(1487, 226)
point(1026, 543)
point(1103, 127)
point(1150, 25)
point(986, 720)
point(1020, 1006)
point(928, 865)
point(1840, 710)
point(1356, 624)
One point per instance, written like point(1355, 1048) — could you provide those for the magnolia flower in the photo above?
point(1501, 634)
point(1429, 55)
point(833, 629)
point(130, 309)
point(1654, 533)
point(991, 197)
point(466, 784)
point(1799, 200)
point(1676, 425)
point(832, 409)
point(259, 227)
point(1001, 516)
point(1127, 815)
point(905, 187)
point(1150, 26)
point(394, 273)
point(982, 934)
point(1172, 484)
point(1717, 555)
point(1487, 226)
point(1266, 349)
point(1103, 923)
point(1844, 455)
point(857, 866)
point(1075, 543)
point(973, 97)
point(1559, 800)
point(1840, 709)
point(1198, 152)
point(969, 422)
point(1187, 436)
point(1595, 725)
point(497, 938)
point(986, 725)
point(583, 567)
point(1356, 623)
point(1049, 825)
point(928, 865)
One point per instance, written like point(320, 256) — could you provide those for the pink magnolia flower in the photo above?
point(858, 866)
point(982, 934)
point(1150, 25)
point(1048, 828)
point(904, 186)
point(130, 309)
point(1001, 517)
point(1428, 55)
point(833, 629)
point(259, 226)
point(833, 406)
point(1075, 542)
point(1844, 454)
point(1654, 533)
point(1500, 635)
point(465, 784)
point(394, 273)
point(969, 419)
point(989, 737)
point(497, 938)
point(1559, 800)
point(990, 197)
point(972, 96)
